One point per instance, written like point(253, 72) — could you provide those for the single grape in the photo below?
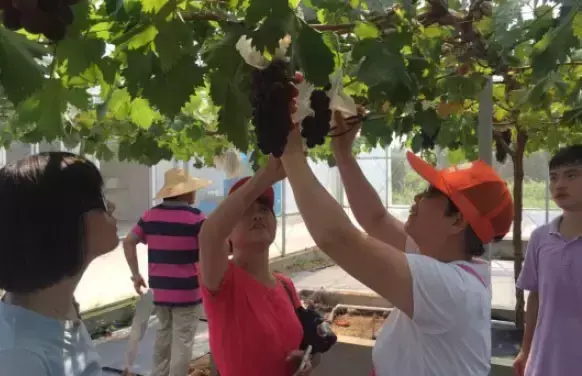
point(25, 5)
point(56, 31)
point(12, 18)
point(49, 6)
point(36, 22)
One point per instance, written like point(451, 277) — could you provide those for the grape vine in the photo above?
point(272, 92)
point(47, 17)
point(315, 127)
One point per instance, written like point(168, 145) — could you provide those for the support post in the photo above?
point(485, 135)
point(283, 218)
point(547, 187)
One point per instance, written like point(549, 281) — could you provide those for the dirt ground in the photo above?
point(200, 366)
point(361, 326)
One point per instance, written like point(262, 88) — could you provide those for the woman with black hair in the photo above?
point(53, 222)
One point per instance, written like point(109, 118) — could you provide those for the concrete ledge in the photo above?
point(349, 297)
point(501, 367)
point(350, 356)
point(111, 315)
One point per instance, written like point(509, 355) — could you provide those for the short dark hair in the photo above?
point(567, 156)
point(473, 245)
point(43, 199)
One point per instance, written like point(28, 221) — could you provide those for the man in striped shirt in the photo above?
point(170, 231)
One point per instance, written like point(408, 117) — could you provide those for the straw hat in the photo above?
point(178, 182)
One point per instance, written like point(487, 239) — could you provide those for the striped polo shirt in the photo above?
point(170, 231)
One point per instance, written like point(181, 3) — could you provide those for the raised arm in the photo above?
point(378, 265)
point(364, 201)
point(213, 238)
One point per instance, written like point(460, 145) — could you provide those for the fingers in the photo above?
point(298, 78)
point(294, 354)
point(517, 368)
point(307, 370)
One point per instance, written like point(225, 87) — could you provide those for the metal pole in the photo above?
point(283, 218)
point(153, 187)
point(547, 187)
point(388, 176)
point(485, 134)
point(2, 157)
point(485, 128)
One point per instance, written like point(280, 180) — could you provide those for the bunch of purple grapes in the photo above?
point(271, 96)
point(316, 127)
point(47, 17)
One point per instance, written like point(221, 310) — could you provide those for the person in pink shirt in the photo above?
point(253, 325)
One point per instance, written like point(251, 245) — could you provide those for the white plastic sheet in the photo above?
point(139, 326)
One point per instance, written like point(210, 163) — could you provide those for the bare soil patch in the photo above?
point(200, 366)
point(359, 323)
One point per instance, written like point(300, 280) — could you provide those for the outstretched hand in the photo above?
point(344, 132)
point(273, 170)
point(294, 143)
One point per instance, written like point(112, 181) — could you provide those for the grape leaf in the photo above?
point(171, 90)
point(153, 6)
point(119, 104)
point(315, 57)
point(141, 113)
point(172, 41)
point(20, 75)
point(51, 105)
point(577, 25)
point(365, 30)
point(80, 54)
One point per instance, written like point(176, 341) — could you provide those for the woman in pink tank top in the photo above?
point(254, 329)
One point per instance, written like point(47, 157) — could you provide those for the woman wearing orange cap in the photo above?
point(253, 324)
point(441, 322)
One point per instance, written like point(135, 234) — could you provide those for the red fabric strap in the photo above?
point(470, 270)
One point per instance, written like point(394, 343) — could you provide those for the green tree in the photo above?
point(148, 79)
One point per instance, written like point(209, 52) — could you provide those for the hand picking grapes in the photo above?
point(47, 17)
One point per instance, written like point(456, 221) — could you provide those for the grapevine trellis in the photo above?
point(145, 80)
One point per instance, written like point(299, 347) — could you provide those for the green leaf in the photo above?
point(143, 38)
point(153, 6)
point(365, 30)
point(172, 41)
point(80, 54)
point(51, 105)
point(577, 25)
point(380, 66)
point(169, 91)
point(277, 20)
point(377, 129)
point(119, 104)
point(315, 57)
point(81, 18)
point(20, 75)
point(141, 113)
point(138, 70)
point(78, 97)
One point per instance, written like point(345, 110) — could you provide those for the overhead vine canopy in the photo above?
point(146, 79)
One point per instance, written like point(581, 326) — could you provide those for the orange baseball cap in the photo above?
point(268, 195)
point(477, 191)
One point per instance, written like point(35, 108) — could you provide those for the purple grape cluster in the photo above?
point(316, 127)
point(47, 17)
point(271, 96)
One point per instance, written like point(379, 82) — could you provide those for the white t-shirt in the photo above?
point(32, 344)
point(450, 333)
